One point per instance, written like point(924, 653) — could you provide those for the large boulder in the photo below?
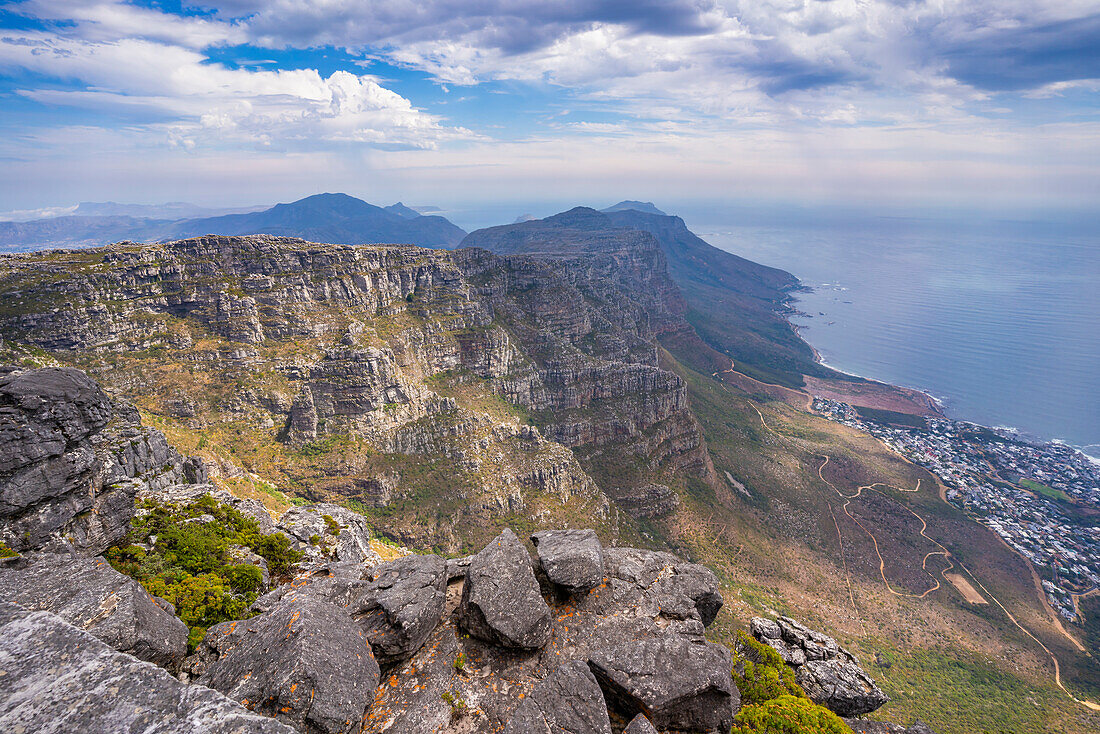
point(59, 679)
point(571, 559)
point(829, 674)
point(687, 592)
point(89, 594)
point(501, 602)
point(680, 684)
point(327, 533)
point(47, 462)
point(568, 701)
point(400, 604)
point(305, 663)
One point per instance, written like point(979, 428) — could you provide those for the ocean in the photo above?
point(999, 320)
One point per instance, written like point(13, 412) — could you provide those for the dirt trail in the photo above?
point(943, 551)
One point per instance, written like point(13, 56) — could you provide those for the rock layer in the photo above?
point(829, 674)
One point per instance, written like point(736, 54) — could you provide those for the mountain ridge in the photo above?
point(335, 218)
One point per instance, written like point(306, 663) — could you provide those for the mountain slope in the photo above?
point(735, 305)
point(332, 218)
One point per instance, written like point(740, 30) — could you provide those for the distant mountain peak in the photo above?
point(641, 206)
point(402, 211)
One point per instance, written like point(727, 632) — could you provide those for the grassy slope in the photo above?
point(778, 552)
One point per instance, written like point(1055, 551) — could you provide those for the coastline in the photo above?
point(938, 404)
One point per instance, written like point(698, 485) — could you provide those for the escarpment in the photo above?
point(445, 388)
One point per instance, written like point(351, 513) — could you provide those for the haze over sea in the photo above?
point(998, 319)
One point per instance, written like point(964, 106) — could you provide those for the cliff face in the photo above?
point(375, 365)
point(71, 463)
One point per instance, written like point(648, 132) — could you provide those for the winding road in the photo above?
point(924, 565)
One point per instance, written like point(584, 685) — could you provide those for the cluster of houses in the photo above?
point(1038, 497)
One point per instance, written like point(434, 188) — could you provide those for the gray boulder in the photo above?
point(501, 602)
point(829, 674)
point(305, 663)
point(346, 538)
point(401, 603)
point(571, 559)
point(59, 679)
point(89, 594)
point(47, 462)
point(680, 684)
point(639, 725)
point(568, 701)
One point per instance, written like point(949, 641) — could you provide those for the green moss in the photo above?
point(6, 552)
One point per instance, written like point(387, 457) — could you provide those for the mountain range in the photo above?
point(332, 218)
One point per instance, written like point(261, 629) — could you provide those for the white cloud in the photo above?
point(210, 104)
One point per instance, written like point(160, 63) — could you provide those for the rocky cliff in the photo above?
point(71, 464)
point(357, 368)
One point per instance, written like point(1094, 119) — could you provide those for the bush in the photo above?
point(189, 563)
point(787, 715)
point(760, 673)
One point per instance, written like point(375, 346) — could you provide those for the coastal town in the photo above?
point(1042, 499)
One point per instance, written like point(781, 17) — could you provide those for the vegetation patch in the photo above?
point(184, 553)
point(760, 673)
point(787, 714)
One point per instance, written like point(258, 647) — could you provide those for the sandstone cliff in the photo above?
point(351, 370)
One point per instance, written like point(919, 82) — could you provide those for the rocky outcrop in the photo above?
point(679, 684)
point(571, 559)
point(829, 674)
point(501, 602)
point(568, 701)
point(305, 663)
point(47, 462)
point(642, 598)
point(185, 493)
point(70, 471)
point(326, 532)
point(89, 594)
point(401, 604)
point(59, 679)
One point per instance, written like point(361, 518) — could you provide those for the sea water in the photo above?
point(998, 319)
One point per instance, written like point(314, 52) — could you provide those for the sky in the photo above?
point(991, 105)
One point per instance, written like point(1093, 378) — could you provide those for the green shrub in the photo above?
point(6, 552)
point(760, 673)
point(189, 562)
point(333, 526)
point(787, 715)
point(243, 578)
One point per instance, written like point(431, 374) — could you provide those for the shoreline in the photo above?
point(940, 404)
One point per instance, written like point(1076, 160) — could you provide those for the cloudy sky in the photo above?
point(992, 103)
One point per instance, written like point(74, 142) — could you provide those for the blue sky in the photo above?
point(888, 103)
